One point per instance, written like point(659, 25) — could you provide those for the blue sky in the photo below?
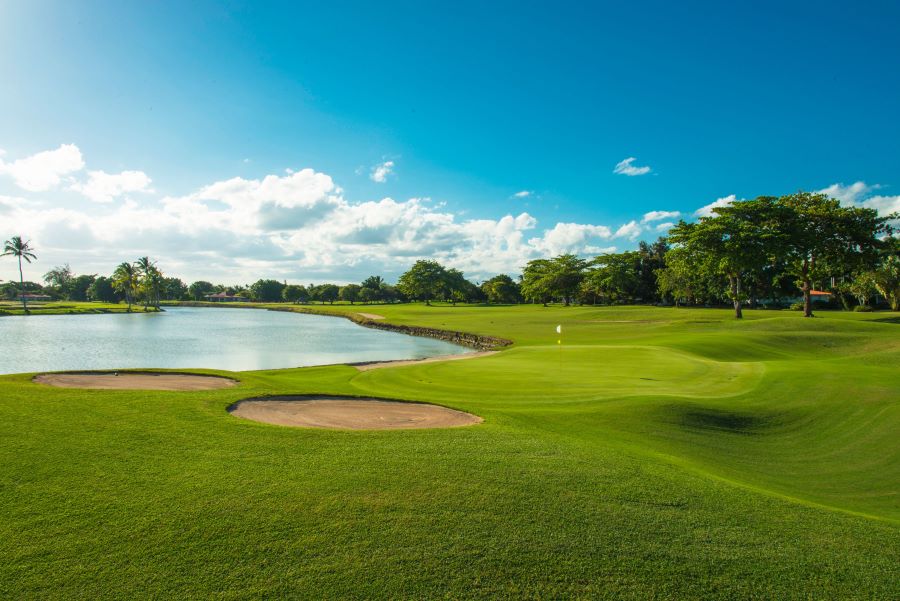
point(243, 140)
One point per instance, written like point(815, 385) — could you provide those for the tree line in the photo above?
point(760, 251)
point(763, 251)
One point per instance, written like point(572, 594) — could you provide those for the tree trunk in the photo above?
point(736, 296)
point(22, 287)
point(806, 288)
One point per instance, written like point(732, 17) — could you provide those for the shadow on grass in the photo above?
point(895, 320)
point(724, 421)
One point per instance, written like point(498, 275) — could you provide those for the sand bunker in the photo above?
point(402, 362)
point(135, 381)
point(373, 316)
point(349, 413)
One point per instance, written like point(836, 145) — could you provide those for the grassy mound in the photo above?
point(655, 453)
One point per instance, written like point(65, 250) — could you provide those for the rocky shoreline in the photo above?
point(475, 341)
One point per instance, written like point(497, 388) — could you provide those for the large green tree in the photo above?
point(102, 290)
point(616, 277)
point(425, 281)
point(349, 293)
point(328, 293)
point(559, 277)
point(886, 275)
point(266, 291)
point(21, 249)
point(501, 289)
point(173, 289)
point(294, 293)
point(736, 242)
point(201, 289)
point(60, 278)
point(818, 233)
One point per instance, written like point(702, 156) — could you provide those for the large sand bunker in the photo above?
point(348, 413)
point(134, 381)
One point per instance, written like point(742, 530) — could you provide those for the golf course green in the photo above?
point(644, 453)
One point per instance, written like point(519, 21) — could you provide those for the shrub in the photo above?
point(796, 306)
point(863, 309)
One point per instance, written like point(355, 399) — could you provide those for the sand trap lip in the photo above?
point(349, 413)
point(402, 362)
point(134, 381)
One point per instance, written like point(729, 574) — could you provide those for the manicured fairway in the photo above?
point(654, 454)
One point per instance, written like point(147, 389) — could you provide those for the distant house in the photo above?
point(224, 297)
point(814, 296)
point(34, 297)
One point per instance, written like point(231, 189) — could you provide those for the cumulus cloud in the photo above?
point(296, 225)
point(569, 237)
point(664, 227)
point(707, 211)
point(848, 195)
point(885, 205)
point(627, 167)
point(860, 194)
point(44, 170)
point(106, 187)
point(381, 171)
point(660, 215)
point(631, 230)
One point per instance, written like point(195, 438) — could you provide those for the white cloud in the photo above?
point(664, 227)
point(848, 195)
point(626, 167)
point(569, 237)
point(707, 211)
point(296, 225)
point(859, 194)
point(44, 170)
point(631, 230)
point(381, 171)
point(885, 205)
point(659, 215)
point(106, 187)
point(523, 194)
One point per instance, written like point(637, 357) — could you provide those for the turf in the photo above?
point(68, 308)
point(653, 454)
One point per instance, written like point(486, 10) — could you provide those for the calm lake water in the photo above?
point(232, 339)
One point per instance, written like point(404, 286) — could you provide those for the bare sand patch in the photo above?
point(402, 362)
point(348, 413)
point(371, 315)
point(135, 381)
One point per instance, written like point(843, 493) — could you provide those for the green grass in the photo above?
point(654, 454)
point(66, 308)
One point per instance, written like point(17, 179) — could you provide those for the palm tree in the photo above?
point(22, 250)
point(152, 279)
point(125, 280)
point(152, 283)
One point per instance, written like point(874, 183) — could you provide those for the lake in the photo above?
point(215, 338)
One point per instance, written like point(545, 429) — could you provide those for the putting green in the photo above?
point(571, 373)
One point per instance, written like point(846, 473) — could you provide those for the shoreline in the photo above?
point(476, 341)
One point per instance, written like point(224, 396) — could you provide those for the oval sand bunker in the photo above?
point(135, 381)
point(345, 413)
